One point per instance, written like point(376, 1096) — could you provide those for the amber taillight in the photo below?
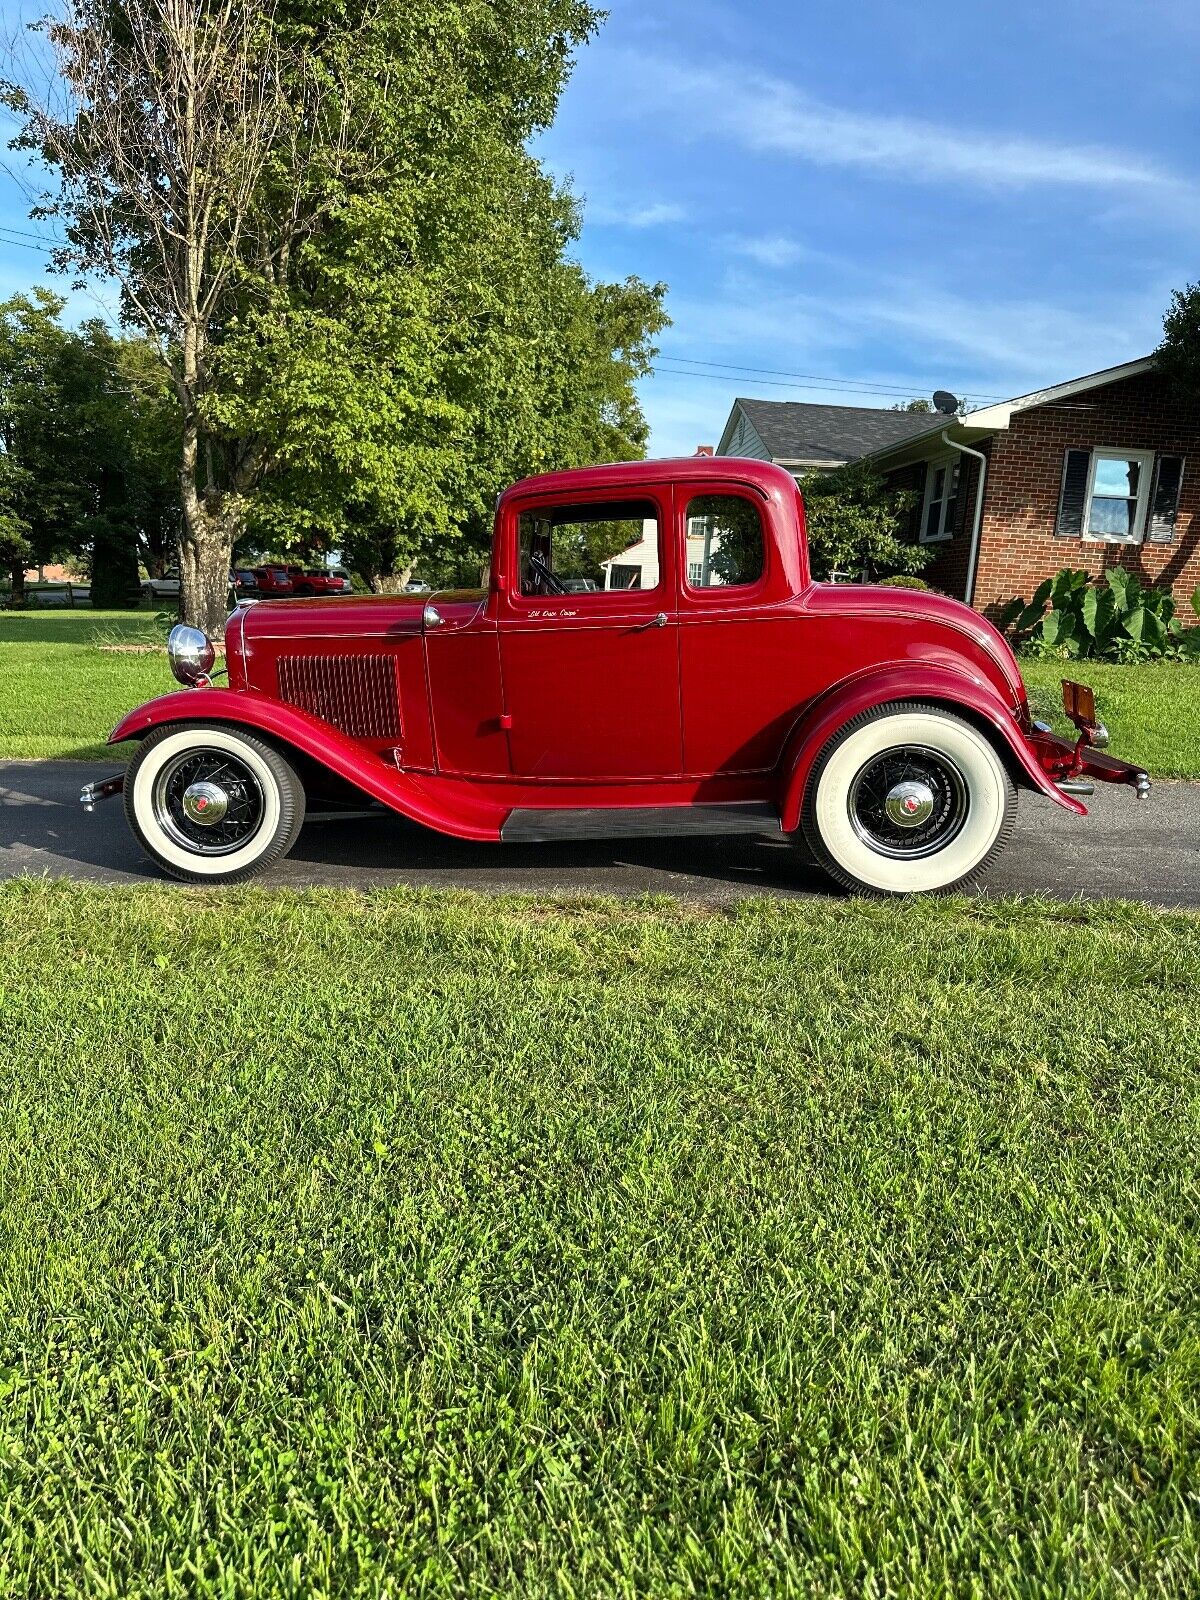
point(357, 694)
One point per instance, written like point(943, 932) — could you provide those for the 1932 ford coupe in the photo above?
point(650, 656)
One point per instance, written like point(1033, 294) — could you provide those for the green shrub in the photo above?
point(1115, 618)
point(905, 580)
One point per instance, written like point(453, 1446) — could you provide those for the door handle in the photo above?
point(660, 621)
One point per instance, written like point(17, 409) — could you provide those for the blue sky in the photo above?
point(984, 198)
point(897, 196)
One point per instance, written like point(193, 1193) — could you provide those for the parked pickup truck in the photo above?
point(320, 580)
point(717, 690)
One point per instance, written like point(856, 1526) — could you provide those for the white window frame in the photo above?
point(1145, 489)
point(950, 462)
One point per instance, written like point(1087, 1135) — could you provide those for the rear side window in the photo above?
point(587, 549)
point(725, 547)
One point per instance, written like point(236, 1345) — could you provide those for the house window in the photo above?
point(940, 512)
point(1118, 493)
point(695, 572)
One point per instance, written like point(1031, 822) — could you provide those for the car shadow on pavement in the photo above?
point(389, 849)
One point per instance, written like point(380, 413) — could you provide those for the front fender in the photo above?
point(957, 691)
point(434, 804)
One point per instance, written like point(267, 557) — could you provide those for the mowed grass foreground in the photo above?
point(63, 685)
point(439, 1246)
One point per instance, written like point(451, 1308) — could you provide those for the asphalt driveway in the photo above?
point(1147, 851)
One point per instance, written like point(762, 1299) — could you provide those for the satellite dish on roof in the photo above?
point(946, 403)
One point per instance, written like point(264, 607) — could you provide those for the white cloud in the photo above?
point(657, 214)
point(769, 114)
point(773, 251)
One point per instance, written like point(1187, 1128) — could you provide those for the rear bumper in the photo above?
point(1073, 766)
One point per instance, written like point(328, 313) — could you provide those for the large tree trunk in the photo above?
point(210, 525)
point(391, 582)
point(205, 551)
point(18, 584)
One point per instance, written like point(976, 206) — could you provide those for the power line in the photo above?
point(824, 385)
point(863, 387)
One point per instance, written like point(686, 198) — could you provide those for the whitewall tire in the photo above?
point(211, 803)
point(908, 799)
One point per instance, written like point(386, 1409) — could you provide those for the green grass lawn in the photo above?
point(1152, 710)
point(62, 690)
point(441, 1246)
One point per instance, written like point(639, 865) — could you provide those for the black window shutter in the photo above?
point(1076, 469)
point(1164, 508)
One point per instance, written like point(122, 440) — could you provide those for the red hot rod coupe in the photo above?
point(650, 656)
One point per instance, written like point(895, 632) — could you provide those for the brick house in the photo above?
point(1098, 472)
point(1093, 473)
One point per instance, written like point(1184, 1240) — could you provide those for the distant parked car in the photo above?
point(320, 580)
point(274, 582)
point(244, 582)
point(164, 588)
point(580, 586)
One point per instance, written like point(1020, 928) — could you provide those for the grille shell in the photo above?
point(356, 693)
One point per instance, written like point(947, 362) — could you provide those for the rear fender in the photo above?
point(464, 815)
point(973, 698)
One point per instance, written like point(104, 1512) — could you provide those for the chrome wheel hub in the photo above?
point(909, 804)
point(205, 804)
point(209, 801)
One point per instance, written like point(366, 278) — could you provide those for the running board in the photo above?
point(538, 826)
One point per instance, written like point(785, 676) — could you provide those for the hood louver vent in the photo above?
point(357, 694)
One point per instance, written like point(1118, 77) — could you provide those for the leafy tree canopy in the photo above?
point(1179, 352)
point(857, 525)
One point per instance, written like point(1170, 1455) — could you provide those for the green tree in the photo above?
point(330, 225)
point(84, 473)
point(45, 383)
point(1179, 353)
point(443, 343)
point(856, 524)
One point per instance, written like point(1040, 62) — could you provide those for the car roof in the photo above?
point(634, 474)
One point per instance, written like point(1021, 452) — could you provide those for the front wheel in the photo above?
point(212, 804)
point(908, 799)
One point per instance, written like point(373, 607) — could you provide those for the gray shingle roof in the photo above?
point(793, 431)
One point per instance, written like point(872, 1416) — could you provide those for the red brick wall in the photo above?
point(1017, 544)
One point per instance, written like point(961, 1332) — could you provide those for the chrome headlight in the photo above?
point(191, 653)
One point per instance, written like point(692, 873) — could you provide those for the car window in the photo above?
point(591, 548)
point(725, 543)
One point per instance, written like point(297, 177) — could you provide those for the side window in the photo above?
point(585, 549)
point(724, 541)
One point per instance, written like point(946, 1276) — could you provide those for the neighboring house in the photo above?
point(807, 438)
point(636, 567)
point(1098, 472)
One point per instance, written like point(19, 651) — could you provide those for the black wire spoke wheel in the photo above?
point(209, 802)
point(908, 802)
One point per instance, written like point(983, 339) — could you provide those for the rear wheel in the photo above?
point(908, 798)
point(212, 804)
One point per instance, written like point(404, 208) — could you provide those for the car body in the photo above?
point(719, 689)
point(315, 581)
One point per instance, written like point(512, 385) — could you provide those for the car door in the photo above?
point(744, 652)
point(589, 638)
